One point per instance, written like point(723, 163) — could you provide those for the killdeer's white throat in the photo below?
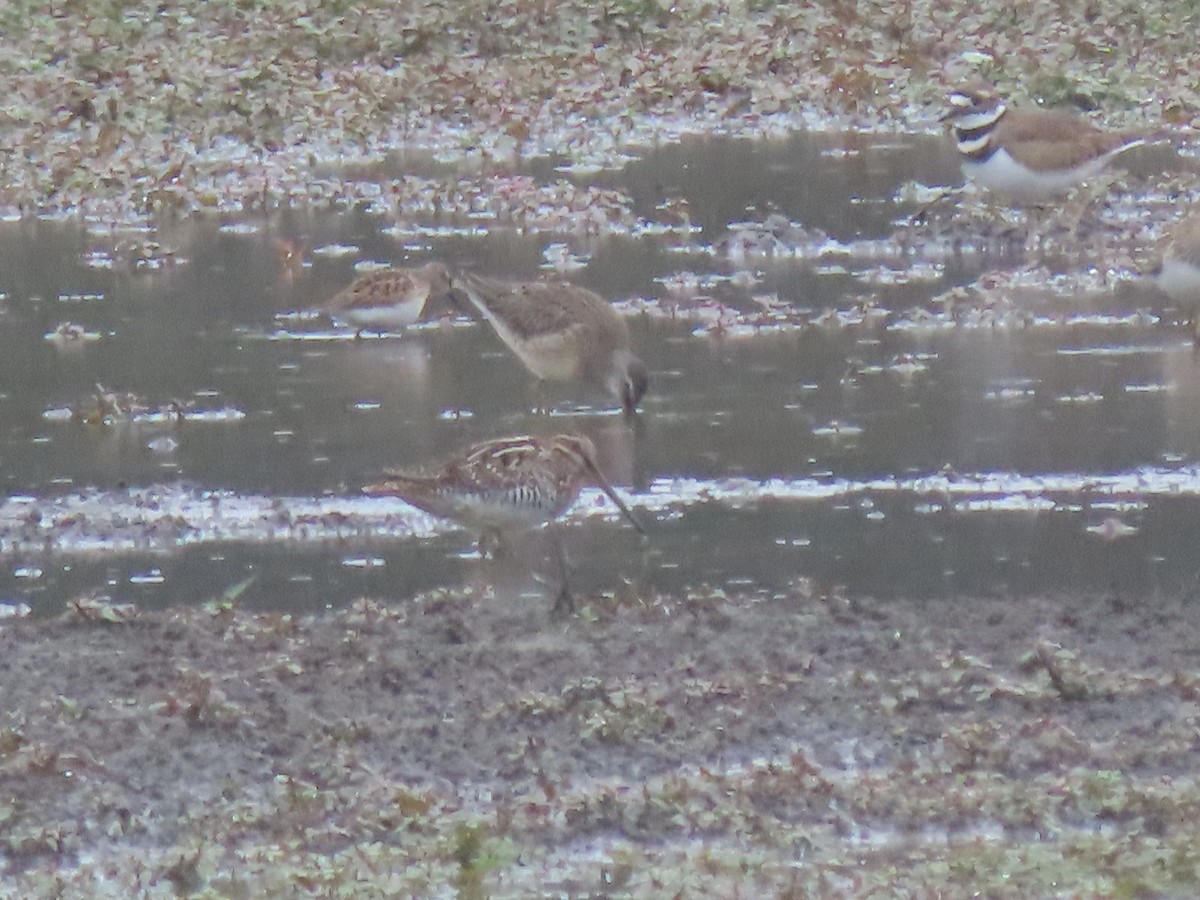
point(1028, 154)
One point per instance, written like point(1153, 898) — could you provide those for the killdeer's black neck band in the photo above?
point(975, 144)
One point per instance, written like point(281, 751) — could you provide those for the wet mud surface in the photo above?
point(807, 742)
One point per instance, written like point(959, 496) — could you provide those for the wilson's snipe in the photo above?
point(561, 332)
point(515, 482)
point(389, 298)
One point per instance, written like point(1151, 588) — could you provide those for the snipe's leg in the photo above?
point(564, 603)
point(492, 545)
point(540, 408)
point(922, 214)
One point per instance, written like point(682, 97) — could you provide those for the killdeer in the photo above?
point(516, 482)
point(1029, 154)
point(389, 298)
point(1179, 274)
point(561, 332)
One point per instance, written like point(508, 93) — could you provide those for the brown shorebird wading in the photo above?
point(561, 332)
point(389, 298)
point(516, 482)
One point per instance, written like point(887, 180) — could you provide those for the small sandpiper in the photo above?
point(389, 298)
point(1029, 154)
point(561, 332)
point(515, 482)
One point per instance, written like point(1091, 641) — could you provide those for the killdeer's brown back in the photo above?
point(1045, 139)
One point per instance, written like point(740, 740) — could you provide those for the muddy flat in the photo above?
point(804, 744)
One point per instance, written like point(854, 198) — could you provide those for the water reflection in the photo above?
point(871, 438)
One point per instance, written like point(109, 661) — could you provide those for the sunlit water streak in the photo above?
point(162, 518)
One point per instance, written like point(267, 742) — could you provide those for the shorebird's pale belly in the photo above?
point(1000, 172)
point(397, 315)
point(551, 357)
point(1180, 281)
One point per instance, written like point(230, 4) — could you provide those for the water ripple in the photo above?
point(171, 517)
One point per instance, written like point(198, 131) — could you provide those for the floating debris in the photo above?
point(99, 259)
point(14, 609)
point(1154, 387)
point(172, 516)
point(1010, 394)
point(164, 445)
point(69, 335)
point(561, 259)
point(363, 562)
point(1112, 529)
point(101, 609)
point(837, 430)
point(1084, 397)
point(335, 250)
point(107, 407)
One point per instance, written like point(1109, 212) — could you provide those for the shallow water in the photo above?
point(879, 450)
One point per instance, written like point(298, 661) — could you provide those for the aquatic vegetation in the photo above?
point(121, 113)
